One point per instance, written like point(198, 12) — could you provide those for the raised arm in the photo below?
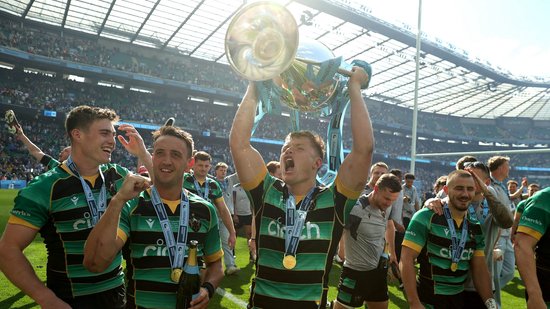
point(31, 147)
point(501, 213)
point(135, 145)
point(353, 172)
point(19, 271)
point(104, 243)
point(248, 161)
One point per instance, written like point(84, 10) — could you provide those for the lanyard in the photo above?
point(456, 247)
point(200, 192)
point(295, 219)
point(176, 248)
point(484, 211)
point(96, 208)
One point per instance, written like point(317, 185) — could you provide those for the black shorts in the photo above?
point(110, 299)
point(357, 287)
point(244, 220)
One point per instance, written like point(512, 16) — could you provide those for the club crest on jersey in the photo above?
point(194, 223)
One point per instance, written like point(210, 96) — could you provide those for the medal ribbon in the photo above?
point(96, 208)
point(456, 248)
point(200, 192)
point(176, 248)
point(295, 219)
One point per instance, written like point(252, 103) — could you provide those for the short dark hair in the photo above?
point(511, 181)
point(82, 117)
point(272, 166)
point(464, 159)
point(409, 176)
point(479, 166)
point(315, 140)
point(389, 181)
point(202, 156)
point(457, 174)
point(396, 172)
point(178, 133)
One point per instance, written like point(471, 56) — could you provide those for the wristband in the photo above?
point(491, 303)
point(210, 288)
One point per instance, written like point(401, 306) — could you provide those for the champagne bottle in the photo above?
point(189, 284)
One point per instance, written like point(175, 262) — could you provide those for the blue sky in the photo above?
point(512, 34)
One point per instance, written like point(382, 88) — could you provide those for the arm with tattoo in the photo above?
point(501, 213)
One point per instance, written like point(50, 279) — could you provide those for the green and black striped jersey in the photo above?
point(147, 263)
point(214, 189)
point(54, 204)
point(306, 285)
point(428, 234)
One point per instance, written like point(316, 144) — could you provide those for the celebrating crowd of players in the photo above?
point(93, 213)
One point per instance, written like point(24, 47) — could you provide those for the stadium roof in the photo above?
point(450, 81)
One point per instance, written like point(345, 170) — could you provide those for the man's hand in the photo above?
point(231, 240)
point(252, 247)
point(134, 144)
point(399, 227)
point(435, 204)
point(524, 182)
point(131, 187)
point(202, 300)
point(235, 219)
point(358, 77)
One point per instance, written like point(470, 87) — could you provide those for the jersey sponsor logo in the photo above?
point(156, 250)
point(532, 220)
point(20, 213)
point(84, 223)
point(465, 256)
point(409, 232)
point(276, 228)
point(150, 222)
point(74, 199)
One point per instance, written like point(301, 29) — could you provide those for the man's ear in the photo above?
point(75, 134)
point(446, 189)
point(318, 163)
point(190, 164)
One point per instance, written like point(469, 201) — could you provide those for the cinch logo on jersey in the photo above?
point(275, 228)
point(159, 250)
point(85, 223)
point(466, 254)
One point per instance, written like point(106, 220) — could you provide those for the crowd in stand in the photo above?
point(210, 125)
point(57, 94)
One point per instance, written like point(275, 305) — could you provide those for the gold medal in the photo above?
point(289, 261)
point(454, 266)
point(175, 275)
